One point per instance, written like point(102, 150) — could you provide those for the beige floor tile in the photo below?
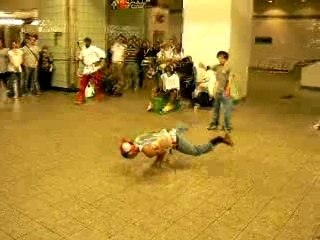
point(129, 213)
point(41, 234)
point(53, 196)
point(70, 206)
point(87, 234)
point(19, 227)
point(153, 225)
point(109, 225)
point(34, 208)
point(89, 215)
point(173, 233)
point(193, 224)
point(49, 219)
point(171, 212)
point(68, 177)
point(67, 226)
point(5, 236)
point(91, 196)
point(108, 205)
point(8, 214)
point(132, 233)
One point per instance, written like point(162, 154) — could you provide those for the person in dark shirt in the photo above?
point(45, 69)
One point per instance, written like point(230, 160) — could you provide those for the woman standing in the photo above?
point(15, 56)
point(3, 69)
point(45, 69)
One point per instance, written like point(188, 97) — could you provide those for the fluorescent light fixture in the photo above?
point(270, 1)
point(35, 23)
point(8, 21)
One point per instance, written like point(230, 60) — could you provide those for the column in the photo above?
point(53, 32)
point(211, 26)
point(63, 24)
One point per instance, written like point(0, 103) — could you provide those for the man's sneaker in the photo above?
point(227, 140)
point(316, 126)
point(226, 130)
point(168, 108)
point(116, 94)
point(212, 127)
point(217, 140)
point(149, 108)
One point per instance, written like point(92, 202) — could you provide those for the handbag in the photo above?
point(89, 91)
point(234, 91)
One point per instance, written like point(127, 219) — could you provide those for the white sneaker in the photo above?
point(149, 108)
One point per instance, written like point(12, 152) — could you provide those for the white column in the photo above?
point(64, 22)
point(211, 26)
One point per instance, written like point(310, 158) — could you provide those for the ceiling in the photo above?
point(288, 7)
point(10, 5)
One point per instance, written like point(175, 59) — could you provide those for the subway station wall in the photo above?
point(128, 22)
point(211, 26)
point(292, 39)
point(7, 5)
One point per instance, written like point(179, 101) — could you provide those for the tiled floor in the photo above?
point(61, 175)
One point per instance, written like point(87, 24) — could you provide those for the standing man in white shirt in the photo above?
point(15, 57)
point(92, 58)
point(118, 50)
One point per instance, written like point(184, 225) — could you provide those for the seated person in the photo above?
point(168, 88)
point(111, 86)
point(205, 84)
point(150, 76)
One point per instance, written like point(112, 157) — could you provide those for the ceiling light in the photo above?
point(8, 21)
point(270, 1)
point(35, 23)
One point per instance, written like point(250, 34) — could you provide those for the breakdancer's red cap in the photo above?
point(126, 147)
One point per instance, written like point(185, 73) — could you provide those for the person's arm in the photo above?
point(100, 53)
point(162, 82)
point(228, 87)
point(152, 150)
point(176, 82)
point(80, 55)
point(213, 68)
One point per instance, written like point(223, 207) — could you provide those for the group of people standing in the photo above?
point(127, 64)
point(25, 68)
point(119, 68)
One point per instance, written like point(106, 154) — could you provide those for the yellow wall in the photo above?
point(206, 30)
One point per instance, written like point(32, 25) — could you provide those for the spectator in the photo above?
point(45, 69)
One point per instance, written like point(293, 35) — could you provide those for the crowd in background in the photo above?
point(134, 62)
point(25, 69)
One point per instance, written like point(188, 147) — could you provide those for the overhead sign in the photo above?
point(131, 4)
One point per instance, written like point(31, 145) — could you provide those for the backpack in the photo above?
point(204, 99)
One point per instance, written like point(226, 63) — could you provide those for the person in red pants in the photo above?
point(92, 58)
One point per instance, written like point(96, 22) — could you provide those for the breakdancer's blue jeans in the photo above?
point(186, 147)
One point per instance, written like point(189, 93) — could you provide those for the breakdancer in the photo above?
point(157, 143)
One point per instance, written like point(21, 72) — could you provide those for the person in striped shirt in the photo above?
point(131, 66)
